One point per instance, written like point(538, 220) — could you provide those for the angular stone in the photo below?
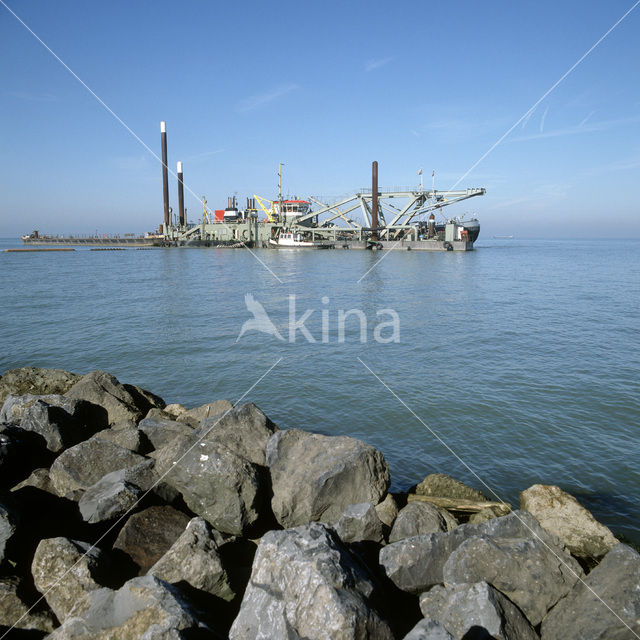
point(358, 523)
point(305, 584)
point(102, 389)
point(428, 629)
point(478, 610)
point(563, 516)
point(145, 400)
point(161, 431)
point(228, 491)
point(36, 381)
point(194, 416)
point(444, 486)
point(526, 571)
point(194, 558)
point(316, 477)
point(605, 605)
point(81, 466)
point(149, 534)
point(175, 409)
point(485, 514)
point(18, 613)
point(387, 510)
point(39, 479)
point(8, 526)
point(14, 407)
point(143, 608)
point(64, 570)
point(245, 430)
point(416, 564)
point(127, 438)
point(418, 518)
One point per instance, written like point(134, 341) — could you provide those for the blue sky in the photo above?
point(325, 88)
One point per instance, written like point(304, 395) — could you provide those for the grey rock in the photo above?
point(64, 570)
point(174, 410)
point(127, 437)
point(144, 399)
point(563, 516)
point(39, 479)
point(8, 526)
point(418, 518)
point(16, 612)
point(358, 523)
point(476, 608)
point(316, 477)
point(144, 608)
point(305, 584)
point(444, 486)
point(228, 491)
point(194, 417)
point(149, 534)
point(527, 571)
point(485, 514)
point(428, 629)
point(81, 466)
point(14, 407)
point(387, 510)
point(102, 389)
point(36, 381)
point(245, 430)
point(194, 558)
point(605, 605)
point(161, 431)
point(416, 564)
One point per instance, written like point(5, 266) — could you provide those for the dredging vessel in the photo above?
point(399, 218)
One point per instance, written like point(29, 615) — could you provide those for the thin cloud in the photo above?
point(528, 117)
point(586, 119)
point(263, 99)
point(544, 117)
point(582, 128)
point(376, 64)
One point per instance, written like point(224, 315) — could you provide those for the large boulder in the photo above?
point(428, 629)
point(606, 604)
point(194, 417)
point(149, 534)
point(316, 477)
point(359, 523)
point(81, 466)
point(127, 437)
point(305, 584)
point(161, 431)
point(20, 613)
point(143, 608)
point(121, 402)
point(418, 518)
point(416, 564)
point(563, 516)
point(64, 571)
point(387, 511)
point(14, 407)
point(245, 430)
point(527, 571)
point(228, 491)
point(476, 611)
point(194, 558)
point(36, 381)
point(441, 485)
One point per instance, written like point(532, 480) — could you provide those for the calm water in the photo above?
point(523, 356)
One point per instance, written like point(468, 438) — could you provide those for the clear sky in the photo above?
point(325, 87)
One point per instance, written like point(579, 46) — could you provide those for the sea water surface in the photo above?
point(517, 363)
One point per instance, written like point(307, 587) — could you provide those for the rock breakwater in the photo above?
point(122, 517)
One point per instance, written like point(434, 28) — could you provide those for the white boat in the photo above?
point(295, 240)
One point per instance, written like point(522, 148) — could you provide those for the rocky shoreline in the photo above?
point(122, 517)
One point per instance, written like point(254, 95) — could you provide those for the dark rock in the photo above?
point(149, 534)
point(527, 571)
point(428, 629)
point(605, 605)
point(228, 491)
point(478, 610)
point(563, 516)
point(64, 571)
point(194, 558)
point(8, 525)
point(128, 438)
point(144, 399)
point(39, 479)
point(14, 407)
point(305, 584)
point(416, 564)
point(103, 389)
point(444, 486)
point(193, 417)
point(143, 608)
point(20, 452)
point(18, 612)
point(316, 477)
point(359, 523)
point(36, 381)
point(245, 430)
point(111, 497)
point(81, 466)
point(418, 518)
point(161, 431)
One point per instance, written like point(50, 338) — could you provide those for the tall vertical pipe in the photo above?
point(374, 200)
point(181, 196)
point(165, 174)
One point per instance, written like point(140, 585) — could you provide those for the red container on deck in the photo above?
point(219, 215)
